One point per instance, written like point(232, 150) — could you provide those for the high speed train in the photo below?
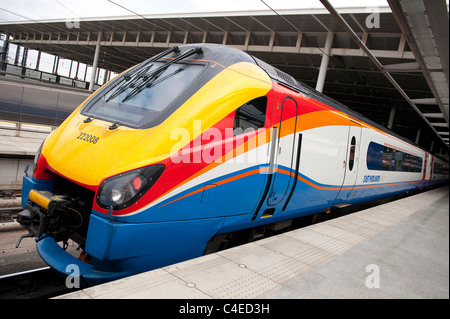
point(195, 143)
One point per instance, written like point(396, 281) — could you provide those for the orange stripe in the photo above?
point(391, 184)
point(317, 186)
point(190, 194)
point(350, 187)
point(227, 180)
point(282, 171)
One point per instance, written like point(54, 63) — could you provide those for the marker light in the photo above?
point(137, 183)
point(121, 191)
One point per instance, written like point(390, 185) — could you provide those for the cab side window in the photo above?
point(351, 161)
point(250, 116)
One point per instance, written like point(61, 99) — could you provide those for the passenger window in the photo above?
point(398, 160)
point(250, 116)
point(351, 161)
point(418, 164)
point(387, 159)
point(384, 158)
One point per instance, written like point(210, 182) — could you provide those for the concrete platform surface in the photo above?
point(396, 250)
point(20, 143)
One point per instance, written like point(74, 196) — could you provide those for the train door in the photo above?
point(425, 168)
point(431, 170)
point(284, 158)
point(282, 170)
point(350, 165)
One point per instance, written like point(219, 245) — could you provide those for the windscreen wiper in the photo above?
point(147, 82)
point(130, 78)
point(156, 81)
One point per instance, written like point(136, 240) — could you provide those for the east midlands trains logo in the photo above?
point(372, 179)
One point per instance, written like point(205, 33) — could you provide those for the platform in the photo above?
point(21, 143)
point(396, 250)
point(17, 150)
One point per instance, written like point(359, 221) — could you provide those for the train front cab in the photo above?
point(149, 238)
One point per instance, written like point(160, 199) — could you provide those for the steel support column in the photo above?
point(419, 131)
point(391, 118)
point(324, 63)
point(23, 64)
point(16, 59)
point(95, 63)
point(38, 60)
point(55, 65)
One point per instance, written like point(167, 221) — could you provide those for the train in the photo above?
point(198, 142)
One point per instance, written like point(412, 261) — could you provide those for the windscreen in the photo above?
point(142, 95)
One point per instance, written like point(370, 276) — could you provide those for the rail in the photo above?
point(36, 283)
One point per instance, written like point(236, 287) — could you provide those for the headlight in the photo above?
point(122, 190)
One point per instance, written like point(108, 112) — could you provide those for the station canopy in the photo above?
point(409, 39)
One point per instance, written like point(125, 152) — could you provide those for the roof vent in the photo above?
point(286, 77)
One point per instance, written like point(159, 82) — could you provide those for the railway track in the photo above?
point(10, 193)
point(9, 214)
point(10, 204)
point(40, 283)
point(23, 274)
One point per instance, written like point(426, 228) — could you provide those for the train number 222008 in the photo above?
point(88, 138)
